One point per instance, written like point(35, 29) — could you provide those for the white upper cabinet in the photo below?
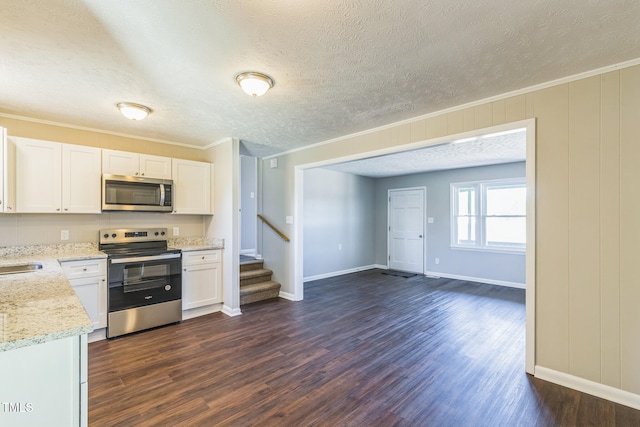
point(7, 173)
point(81, 179)
point(192, 187)
point(116, 162)
point(155, 166)
point(54, 177)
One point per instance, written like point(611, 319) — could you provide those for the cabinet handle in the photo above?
point(142, 174)
point(185, 269)
point(84, 269)
point(0, 202)
point(202, 257)
point(58, 210)
point(9, 207)
point(136, 173)
point(66, 209)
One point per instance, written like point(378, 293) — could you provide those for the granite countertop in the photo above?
point(188, 244)
point(41, 306)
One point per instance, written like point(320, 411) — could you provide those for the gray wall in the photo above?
point(338, 210)
point(248, 185)
point(494, 266)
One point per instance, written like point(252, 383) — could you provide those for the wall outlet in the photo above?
point(437, 260)
point(430, 220)
point(64, 234)
point(176, 231)
point(288, 219)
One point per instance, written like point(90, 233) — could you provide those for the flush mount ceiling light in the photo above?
point(133, 111)
point(254, 84)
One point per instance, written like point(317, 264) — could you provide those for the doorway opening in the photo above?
point(458, 143)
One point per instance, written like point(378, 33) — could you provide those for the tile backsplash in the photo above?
point(41, 229)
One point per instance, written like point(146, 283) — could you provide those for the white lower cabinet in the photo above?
point(45, 384)
point(89, 279)
point(201, 278)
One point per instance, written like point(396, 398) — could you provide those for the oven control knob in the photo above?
point(106, 236)
point(113, 235)
point(156, 233)
point(167, 287)
point(162, 233)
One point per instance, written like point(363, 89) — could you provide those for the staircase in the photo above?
point(255, 282)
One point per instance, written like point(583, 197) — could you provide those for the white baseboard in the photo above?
point(340, 273)
point(287, 296)
point(201, 311)
point(231, 311)
point(97, 335)
point(248, 252)
point(477, 279)
point(590, 387)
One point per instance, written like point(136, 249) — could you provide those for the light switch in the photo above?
point(289, 220)
point(274, 163)
point(430, 220)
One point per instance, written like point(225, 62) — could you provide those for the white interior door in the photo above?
point(406, 229)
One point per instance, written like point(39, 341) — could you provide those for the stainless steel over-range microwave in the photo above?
point(132, 193)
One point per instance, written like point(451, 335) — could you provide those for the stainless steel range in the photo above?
point(145, 280)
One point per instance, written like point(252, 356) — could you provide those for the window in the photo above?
point(489, 215)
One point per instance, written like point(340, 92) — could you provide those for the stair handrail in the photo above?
point(278, 232)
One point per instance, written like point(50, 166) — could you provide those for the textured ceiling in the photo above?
point(503, 147)
point(340, 66)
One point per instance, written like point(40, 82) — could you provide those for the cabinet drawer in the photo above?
point(201, 257)
point(85, 268)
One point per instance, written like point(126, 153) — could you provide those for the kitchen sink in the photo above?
point(20, 268)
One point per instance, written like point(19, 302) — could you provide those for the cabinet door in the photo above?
point(38, 183)
point(8, 177)
point(3, 169)
point(201, 285)
point(120, 163)
point(81, 179)
point(155, 166)
point(92, 292)
point(42, 382)
point(192, 182)
point(7, 173)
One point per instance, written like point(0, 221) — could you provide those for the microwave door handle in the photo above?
point(144, 258)
point(161, 194)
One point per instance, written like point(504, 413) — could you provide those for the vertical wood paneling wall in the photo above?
point(588, 214)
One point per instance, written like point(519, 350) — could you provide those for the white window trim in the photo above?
point(480, 187)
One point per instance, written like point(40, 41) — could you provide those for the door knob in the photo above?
point(420, 236)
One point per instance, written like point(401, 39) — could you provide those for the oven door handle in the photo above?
point(144, 258)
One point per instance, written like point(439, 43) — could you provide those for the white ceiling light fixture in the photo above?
point(253, 83)
point(133, 111)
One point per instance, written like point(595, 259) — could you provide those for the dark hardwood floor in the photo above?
point(364, 349)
